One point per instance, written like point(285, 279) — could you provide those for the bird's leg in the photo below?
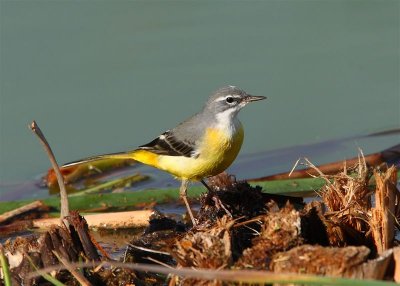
point(205, 185)
point(216, 199)
point(183, 195)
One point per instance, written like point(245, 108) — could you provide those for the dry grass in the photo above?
point(355, 213)
point(338, 235)
point(206, 248)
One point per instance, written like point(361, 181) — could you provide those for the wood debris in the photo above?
point(348, 233)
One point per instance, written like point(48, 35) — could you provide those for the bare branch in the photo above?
point(63, 193)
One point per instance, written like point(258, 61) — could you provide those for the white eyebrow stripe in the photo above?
point(225, 97)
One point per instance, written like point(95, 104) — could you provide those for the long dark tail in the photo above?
point(121, 156)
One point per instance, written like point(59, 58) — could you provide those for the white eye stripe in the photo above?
point(225, 97)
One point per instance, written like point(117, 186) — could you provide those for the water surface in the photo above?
point(106, 76)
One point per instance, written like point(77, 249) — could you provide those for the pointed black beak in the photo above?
point(250, 98)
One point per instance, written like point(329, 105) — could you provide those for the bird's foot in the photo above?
point(219, 205)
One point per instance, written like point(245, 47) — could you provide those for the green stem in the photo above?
point(5, 268)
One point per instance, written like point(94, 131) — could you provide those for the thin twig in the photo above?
point(242, 276)
point(158, 262)
point(15, 212)
point(149, 250)
point(63, 193)
point(321, 175)
point(78, 276)
point(256, 219)
point(44, 274)
point(294, 167)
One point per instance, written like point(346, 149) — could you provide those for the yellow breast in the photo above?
point(218, 150)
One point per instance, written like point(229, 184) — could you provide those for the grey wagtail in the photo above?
point(202, 146)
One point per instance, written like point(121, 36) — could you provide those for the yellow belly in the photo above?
point(217, 153)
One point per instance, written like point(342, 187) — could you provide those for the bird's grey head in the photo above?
point(229, 100)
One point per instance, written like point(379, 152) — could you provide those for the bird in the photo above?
point(202, 146)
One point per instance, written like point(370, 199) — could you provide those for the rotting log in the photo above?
point(383, 214)
point(72, 243)
point(350, 262)
point(131, 219)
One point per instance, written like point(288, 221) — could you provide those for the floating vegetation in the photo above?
point(243, 234)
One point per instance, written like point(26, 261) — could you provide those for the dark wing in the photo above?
point(168, 144)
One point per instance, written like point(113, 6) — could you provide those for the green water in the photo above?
point(105, 76)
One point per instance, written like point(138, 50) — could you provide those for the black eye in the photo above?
point(229, 99)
